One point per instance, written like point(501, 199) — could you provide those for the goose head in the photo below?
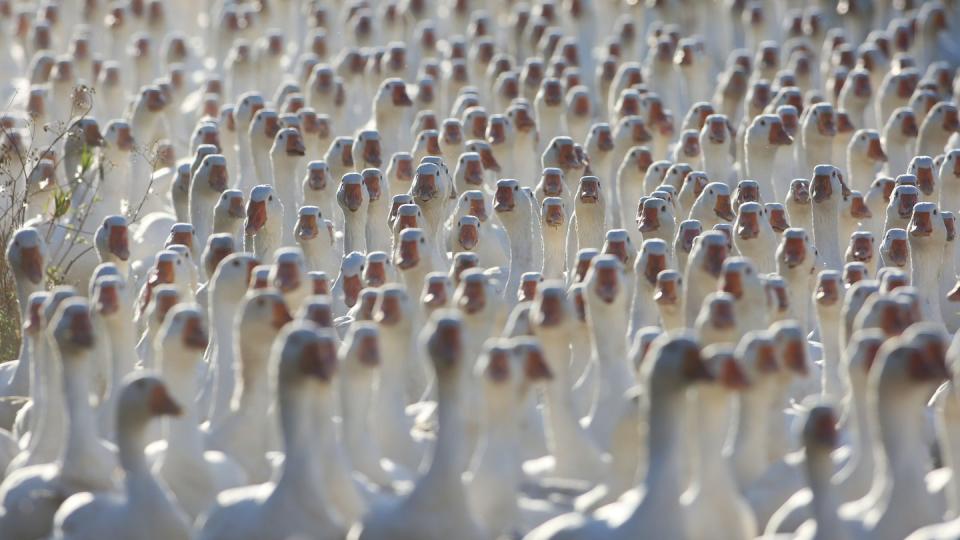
point(709, 251)
point(827, 187)
point(675, 365)
point(26, 256)
point(288, 272)
point(308, 224)
point(248, 106)
point(922, 168)
point(715, 199)
point(652, 259)
point(926, 228)
point(438, 287)
point(111, 240)
point(108, 300)
point(211, 176)
point(351, 276)
point(767, 131)
point(261, 315)
point(604, 282)
point(377, 270)
point(860, 248)
point(206, 133)
point(485, 151)
point(900, 127)
point(182, 338)
point(599, 140)
point(352, 196)
point(262, 205)
point(750, 218)
point(142, 398)
point(428, 184)
point(589, 194)
point(819, 124)
point(218, 247)
point(119, 141)
point(443, 338)
point(828, 291)
point(366, 148)
point(865, 147)
point(902, 200)
point(562, 154)
point(229, 211)
point(71, 328)
point(287, 147)
point(942, 118)
point(474, 296)
point(467, 233)
point(687, 231)
point(777, 217)
point(715, 134)
point(339, 155)
point(551, 312)
point(391, 98)
point(739, 278)
point(895, 248)
point(316, 178)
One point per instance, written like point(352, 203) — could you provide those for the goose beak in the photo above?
point(353, 196)
point(666, 293)
point(217, 179)
point(821, 188)
point(288, 277)
point(436, 295)
point(31, 264)
point(295, 145)
point(778, 136)
point(722, 208)
point(607, 285)
point(861, 250)
point(649, 220)
point(656, 263)
point(371, 152)
point(194, 335)
point(256, 216)
point(236, 209)
point(108, 301)
point(280, 315)
point(474, 299)
point(749, 226)
point(161, 404)
point(469, 236)
point(409, 255)
point(118, 243)
point(875, 151)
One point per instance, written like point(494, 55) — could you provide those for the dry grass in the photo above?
point(9, 318)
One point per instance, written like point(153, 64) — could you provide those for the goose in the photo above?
point(349, 282)
point(893, 92)
point(949, 174)
point(286, 153)
point(319, 251)
point(32, 494)
point(400, 172)
point(712, 206)
point(314, 188)
point(927, 236)
point(574, 452)
point(354, 201)
point(713, 401)
point(389, 107)
point(243, 433)
point(923, 168)
point(579, 112)
point(755, 238)
point(288, 276)
point(796, 262)
point(630, 176)
point(431, 190)
point(90, 515)
point(692, 187)
point(702, 270)
point(549, 107)
point(395, 317)
point(248, 105)
point(262, 132)
point(762, 141)
point(675, 366)
point(209, 181)
point(817, 132)
point(415, 515)
point(852, 480)
point(264, 222)
point(588, 220)
point(855, 96)
point(304, 363)
point(895, 249)
point(26, 256)
point(827, 191)
point(900, 208)
point(864, 152)
point(526, 139)
point(861, 250)
point(553, 216)
point(941, 122)
point(739, 278)
point(899, 385)
point(227, 285)
point(599, 146)
point(653, 259)
point(516, 212)
point(193, 475)
point(898, 136)
point(113, 314)
point(715, 149)
point(656, 221)
point(687, 231)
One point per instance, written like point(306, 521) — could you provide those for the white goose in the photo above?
point(295, 502)
point(440, 489)
point(89, 515)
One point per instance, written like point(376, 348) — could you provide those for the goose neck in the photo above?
point(899, 456)
point(81, 422)
point(666, 419)
point(183, 437)
point(446, 466)
point(297, 418)
point(713, 421)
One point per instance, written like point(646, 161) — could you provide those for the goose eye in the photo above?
point(763, 122)
point(271, 198)
point(236, 263)
point(422, 241)
point(863, 138)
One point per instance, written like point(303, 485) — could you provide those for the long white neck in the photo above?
point(245, 180)
point(221, 316)
point(267, 239)
point(355, 230)
point(831, 383)
point(285, 182)
point(443, 477)
point(554, 252)
point(713, 425)
point(202, 201)
point(47, 441)
point(825, 500)
point(926, 259)
point(862, 172)
point(297, 423)
point(182, 433)
point(251, 391)
point(81, 422)
point(825, 226)
point(749, 439)
point(759, 164)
